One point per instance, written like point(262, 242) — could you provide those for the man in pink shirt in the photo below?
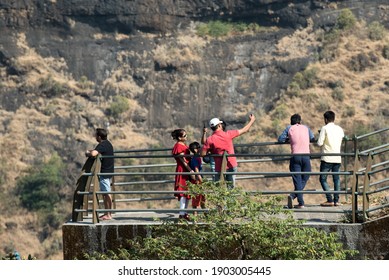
point(299, 136)
point(222, 141)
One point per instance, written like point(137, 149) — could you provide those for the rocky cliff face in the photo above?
point(97, 39)
point(88, 52)
point(69, 60)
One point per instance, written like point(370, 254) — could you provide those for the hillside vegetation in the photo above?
point(350, 76)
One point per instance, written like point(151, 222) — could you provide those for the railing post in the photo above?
point(354, 188)
point(96, 188)
point(83, 183)
point(113, 195)
point(366, 185)
point(223, 168)
point(88, 187)
point(355, 141)
point(345, 163)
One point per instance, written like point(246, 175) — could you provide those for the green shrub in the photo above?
point(78, 106)
point(310, 76)
point(52, 219)
point(40, 188)
point(338, 94)
point(375, 140)
point(51, 88)
point(118, 106)
point(322, 106)
point(376, 31)
point(299, 80)
point(310, 97)
point(349, 111)
point(280, 112)
point(362, 61)
point(239, 225)
point(346, 20)
point(328, 51)
point(255, 27)
point(3, 176)
point(202, 29)
point(84, 83)
point(332, 37)
point(49, 109)
point(275, 128)
point(294, 89)
point(240, 27)
point(336, 84)
point(306, 79)
point(218, 28)
point(385, 52)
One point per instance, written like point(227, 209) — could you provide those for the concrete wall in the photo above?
point(371, 239)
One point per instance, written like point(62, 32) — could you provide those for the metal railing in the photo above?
point(358, 182)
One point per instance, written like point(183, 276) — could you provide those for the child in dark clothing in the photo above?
point(196, 165)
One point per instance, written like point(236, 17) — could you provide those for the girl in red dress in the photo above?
point(179, 150)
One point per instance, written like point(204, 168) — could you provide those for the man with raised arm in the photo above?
point(222, 141)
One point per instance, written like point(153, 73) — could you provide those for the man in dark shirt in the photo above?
point(104, 148)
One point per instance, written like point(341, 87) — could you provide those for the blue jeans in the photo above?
point(330, 167)
point(299, 164)
point(212, 164)
point(230, 178)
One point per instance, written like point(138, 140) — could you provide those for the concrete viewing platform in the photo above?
point(311, 214)
point(364, 228)
point(79, 238)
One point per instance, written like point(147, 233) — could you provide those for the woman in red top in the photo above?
point(179, 150)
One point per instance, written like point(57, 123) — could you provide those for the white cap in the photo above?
point(214, 122)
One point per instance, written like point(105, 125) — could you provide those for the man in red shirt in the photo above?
point(221, 141)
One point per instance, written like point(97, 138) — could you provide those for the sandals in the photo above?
point(105, 218)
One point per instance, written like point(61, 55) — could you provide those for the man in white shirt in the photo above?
point(330, 140)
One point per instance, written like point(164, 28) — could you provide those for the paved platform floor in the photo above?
point(311, 214)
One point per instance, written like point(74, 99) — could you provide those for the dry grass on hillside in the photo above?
point(119, 81)
point(37, 66)
point(188, 50)
point(19, 150)
point(365, 95)
point(40, 69)
point(299, 44)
